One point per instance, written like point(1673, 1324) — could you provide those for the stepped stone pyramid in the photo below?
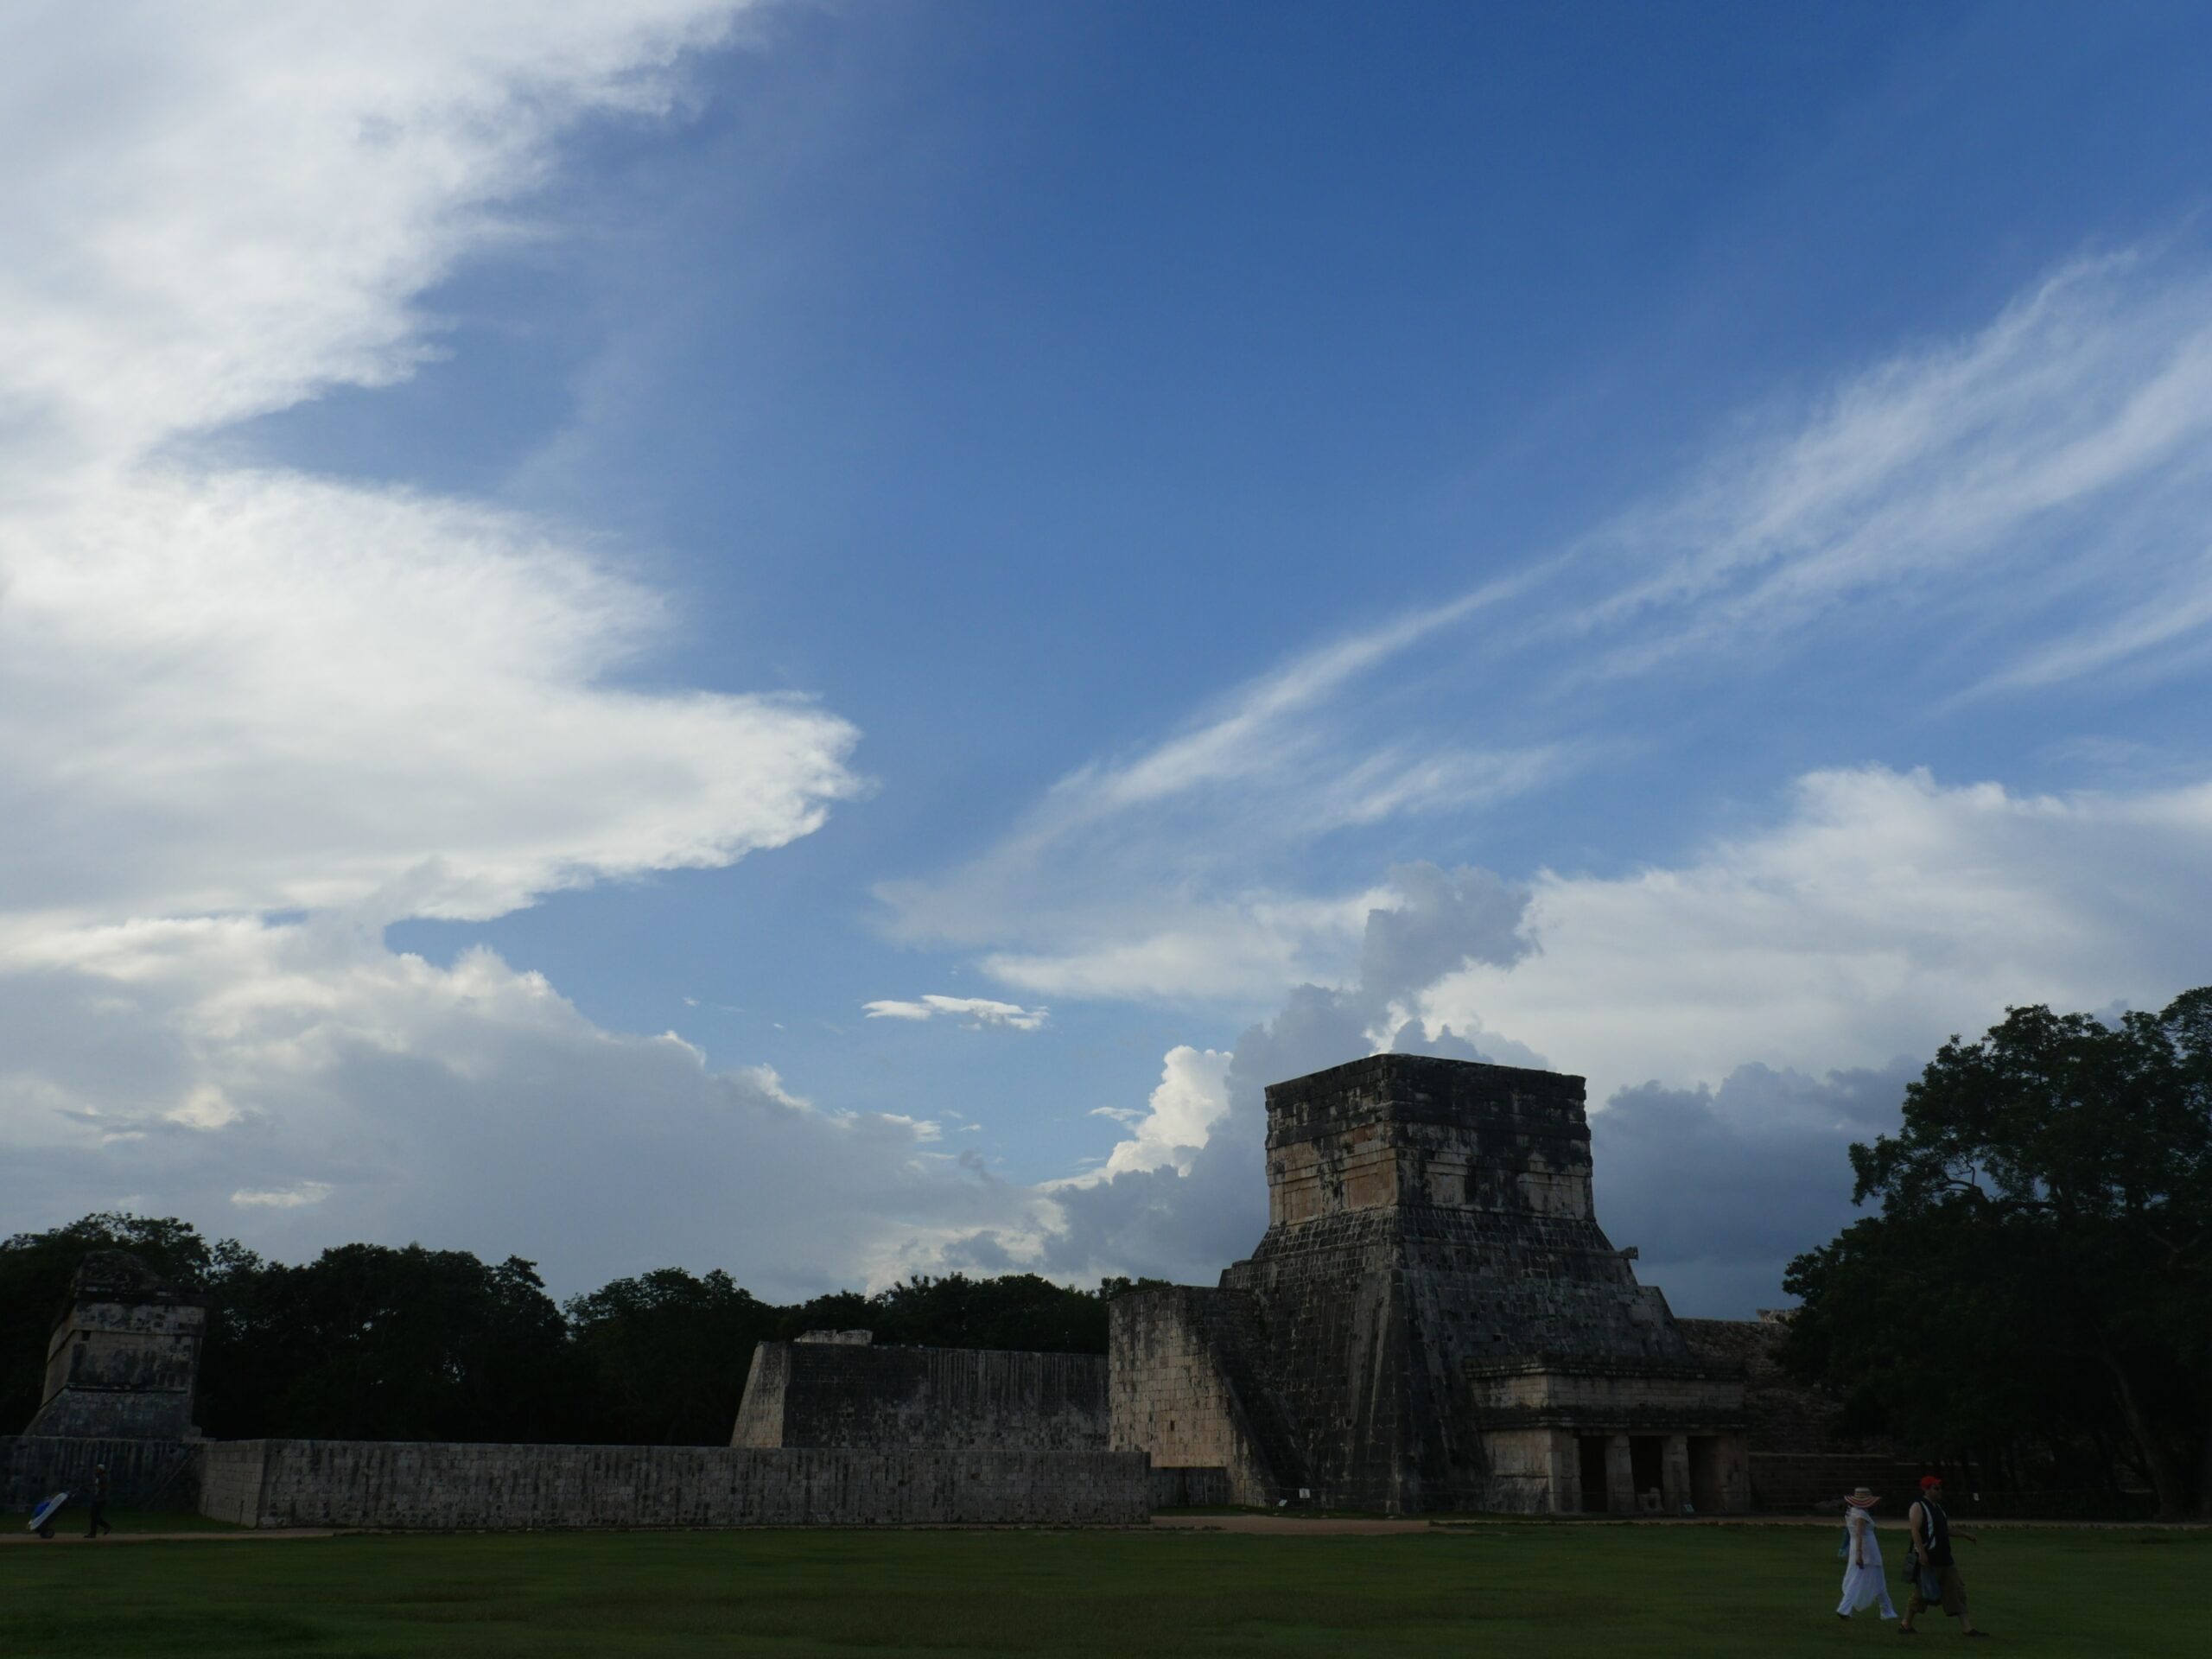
point(1433, 1319)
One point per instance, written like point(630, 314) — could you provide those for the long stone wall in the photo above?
point(142, 1474)
point(433, 1486)
point(855, 1393)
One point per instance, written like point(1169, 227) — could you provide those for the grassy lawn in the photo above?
point(1504, 1590)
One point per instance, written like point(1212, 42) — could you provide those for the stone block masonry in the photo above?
point(124, 1357)
point(1801, 1456)
point(848, 1392)
point(1176, 1396)
point(405, 1484)
point(141, 1474)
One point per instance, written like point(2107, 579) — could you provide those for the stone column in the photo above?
point(1564, 1460)
point(1620, 1477)
point(1735, 1474)
point(1674, 1483)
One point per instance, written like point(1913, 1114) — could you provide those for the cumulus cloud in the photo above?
point(977, 1011)
point(228, 697)
point(1185, 1193)
point(1179, 1119)
point(218, 212)
point(256, 692)
point(378, 1095)
point(1882, 912)
point(230, 689)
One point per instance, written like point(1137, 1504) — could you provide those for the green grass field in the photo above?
point(1521, 1590)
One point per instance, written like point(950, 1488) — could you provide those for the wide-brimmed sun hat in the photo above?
point(1862, 1499)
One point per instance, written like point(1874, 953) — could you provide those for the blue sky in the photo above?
point(551, 562)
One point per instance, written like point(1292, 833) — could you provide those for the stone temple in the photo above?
point(1433, 1319)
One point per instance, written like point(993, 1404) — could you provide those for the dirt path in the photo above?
point(1315, 1525)
point(163, 1537)
point(1297, 1525)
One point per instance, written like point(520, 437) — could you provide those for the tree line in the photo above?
point(371, 1342)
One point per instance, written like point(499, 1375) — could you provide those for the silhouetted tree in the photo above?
point(2040, 1273)
point(663, 1356)
point(1017, 1310)
point(367, 1342)
point(370, 1342)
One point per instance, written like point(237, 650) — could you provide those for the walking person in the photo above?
point(98, 1495)
point(1862, 1582)
point(1936, 1580)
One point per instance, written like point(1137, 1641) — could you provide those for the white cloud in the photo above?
point(1141, 877)
point(1742, 1017)
point(230, 696)
point(218, 211)
point(977, 1011)
point(2027, 501)
point(236, 691)
point(1883, 913)
point(256, 692)
point(206, 1106)
point(290, 1197)
point(1191, 1097)
point(2046, 474)
point(1184, 1192)
point(1247, 946)
point(1992, 515)
point(374, 1091)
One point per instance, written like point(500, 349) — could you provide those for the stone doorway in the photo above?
point(1647, 1462)
point(1591, 1449)
point(1705, 1491)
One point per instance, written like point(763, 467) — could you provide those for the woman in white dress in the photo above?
point(1863, 1583)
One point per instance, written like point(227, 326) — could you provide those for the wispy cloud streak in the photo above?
point(2006, 511)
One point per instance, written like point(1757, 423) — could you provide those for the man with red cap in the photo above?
point(1936, 1580)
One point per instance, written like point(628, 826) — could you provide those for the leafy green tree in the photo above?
point(2040, 1273)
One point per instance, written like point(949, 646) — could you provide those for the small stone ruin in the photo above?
point(123, 1357)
